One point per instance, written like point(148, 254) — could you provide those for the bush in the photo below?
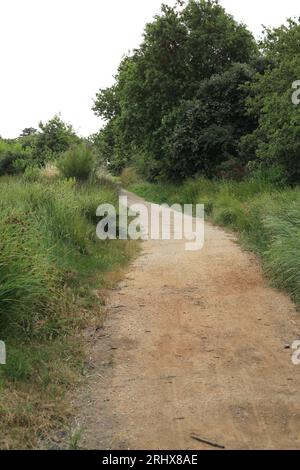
point(77, 162)
point(13, 158)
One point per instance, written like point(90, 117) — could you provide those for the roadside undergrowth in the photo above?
point(54, 274)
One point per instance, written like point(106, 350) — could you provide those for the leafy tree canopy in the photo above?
point(181, 48)
point(276, 141)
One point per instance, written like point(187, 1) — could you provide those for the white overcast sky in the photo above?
point(55, 54)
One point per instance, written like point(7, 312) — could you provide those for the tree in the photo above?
point(54, 137)
point(276, 141)
point(182, 47)
point(28, 131)
point(206, 131)
point(107, 104)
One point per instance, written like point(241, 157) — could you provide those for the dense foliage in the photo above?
point(276, 141)
point(12, 156)
point(188, 54)
point(36, 147)
point(199, 96)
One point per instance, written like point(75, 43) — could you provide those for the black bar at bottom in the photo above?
point(137, 459)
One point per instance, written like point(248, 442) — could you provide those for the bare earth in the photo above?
point(194, 343)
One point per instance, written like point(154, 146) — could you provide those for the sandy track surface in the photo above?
point(194, 343)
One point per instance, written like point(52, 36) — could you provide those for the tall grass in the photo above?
point(266, 217)
point(50, 265)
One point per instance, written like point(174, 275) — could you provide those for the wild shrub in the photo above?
point(77, 162)
point(13, 158)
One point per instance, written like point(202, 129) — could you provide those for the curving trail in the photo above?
point(194, 343)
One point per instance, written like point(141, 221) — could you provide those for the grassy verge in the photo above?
point(52, 274)
point(267, 219)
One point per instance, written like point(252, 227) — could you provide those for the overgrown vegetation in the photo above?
point(12, 157)
point(52, 269)
point(36, 148)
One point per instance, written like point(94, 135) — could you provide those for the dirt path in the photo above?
point(194, 342)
